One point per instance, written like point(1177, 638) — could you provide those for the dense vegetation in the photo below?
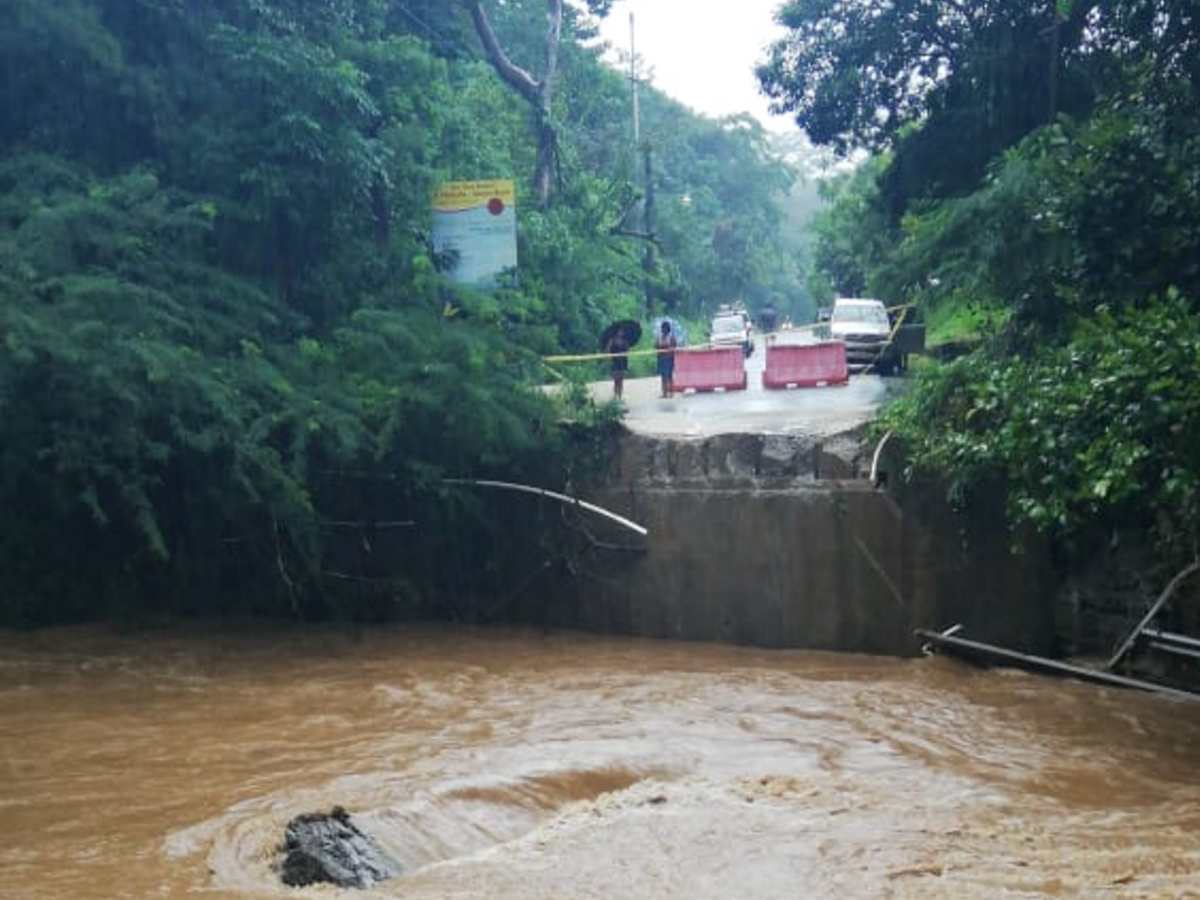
point(1035, 188)
point(224, 339)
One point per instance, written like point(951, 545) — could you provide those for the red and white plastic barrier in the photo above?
point(721, 368)
point(805, 365)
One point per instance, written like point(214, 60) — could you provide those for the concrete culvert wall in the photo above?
point(779, 541)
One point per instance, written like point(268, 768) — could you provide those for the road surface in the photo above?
point(813, 411)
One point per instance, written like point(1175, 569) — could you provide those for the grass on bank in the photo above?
point(959, 321)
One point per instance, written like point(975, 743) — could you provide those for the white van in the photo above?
point(863, 325)
point(732, 329)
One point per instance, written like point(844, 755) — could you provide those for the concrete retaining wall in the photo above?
point(771, 540)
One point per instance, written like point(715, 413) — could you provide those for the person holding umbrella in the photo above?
point(616, 340)
point(665, 344)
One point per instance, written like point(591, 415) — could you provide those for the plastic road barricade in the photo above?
point(720, 368)
point(805, 365)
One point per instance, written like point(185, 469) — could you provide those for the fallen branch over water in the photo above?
point(561, 498)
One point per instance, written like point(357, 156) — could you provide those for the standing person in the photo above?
point(618, 345)
point(665, 344)
point(767, 318)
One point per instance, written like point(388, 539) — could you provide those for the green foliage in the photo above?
point(1123, 192)
point(851, 235)
point(156, 408)
point(855, 73)
point(963, 320)
point(1077, 215)
point(976, 77)
point(1045, 232)
point(1095, 207)
point(126, 368)
point(223, 335)
point(720, 212)
point(1101, 429)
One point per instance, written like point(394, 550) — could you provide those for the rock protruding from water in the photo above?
point(329, 848)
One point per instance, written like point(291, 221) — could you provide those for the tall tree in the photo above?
point(538, 92)
point(857, 72)
point(218, 309)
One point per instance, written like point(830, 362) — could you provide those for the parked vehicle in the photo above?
point(863, 325)
point(732, 329)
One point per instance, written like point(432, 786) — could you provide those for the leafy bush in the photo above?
point(158, 411)
point(1103, 428)
point(224, 339)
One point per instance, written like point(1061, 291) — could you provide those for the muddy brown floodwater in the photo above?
point(511, 764)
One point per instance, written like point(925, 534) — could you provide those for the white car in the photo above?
point(863, 325)
point(730, 330)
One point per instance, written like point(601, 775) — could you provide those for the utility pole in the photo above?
point(633, 80)
point(649, 262)
point(649, 259)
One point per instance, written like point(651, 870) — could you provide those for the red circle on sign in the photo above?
point(495, 206)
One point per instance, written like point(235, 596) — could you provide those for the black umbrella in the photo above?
point(631, 329)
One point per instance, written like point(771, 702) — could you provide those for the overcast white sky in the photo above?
point(703, 52)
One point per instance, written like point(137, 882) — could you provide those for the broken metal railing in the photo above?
point(950, 641)
point(1155, 608)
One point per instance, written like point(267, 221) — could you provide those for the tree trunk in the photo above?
point(547, 158)
point(538, 94)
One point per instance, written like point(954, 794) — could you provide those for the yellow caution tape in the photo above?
point(588, 357)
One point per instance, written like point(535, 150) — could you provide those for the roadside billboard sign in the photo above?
point(476, 223)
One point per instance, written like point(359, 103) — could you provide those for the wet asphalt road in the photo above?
point(812, 411)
